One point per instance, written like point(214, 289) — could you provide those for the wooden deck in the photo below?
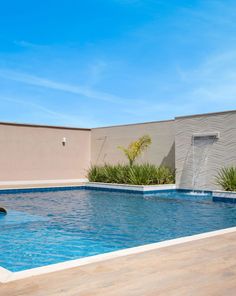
point(203, 267)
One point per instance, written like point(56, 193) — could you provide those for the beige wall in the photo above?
point(209, 157)
point(37, 153)
point(29, 152)
point(104, 142)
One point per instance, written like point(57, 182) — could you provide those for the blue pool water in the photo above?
point(43, 228)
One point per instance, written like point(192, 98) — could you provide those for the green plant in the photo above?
point(143, 174)
point(226, 178)
point(136, 148)
point(108, 173)
point(165, 175)
point(137, 174)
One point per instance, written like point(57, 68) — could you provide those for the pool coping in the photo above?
point(35, 183)
point(225, 196)
point(7, 276)
point(217, 195)
point(136, 189)
point(92, 186)
point(143, 189)
point(131, 187)
point(13, 190)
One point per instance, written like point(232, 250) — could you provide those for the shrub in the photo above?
point(108, 174)
point(226, 178)
point(165, 175)
point(142, 174)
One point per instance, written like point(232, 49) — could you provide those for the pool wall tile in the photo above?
point(36, 189)
point(224, 196)
point(217, 196)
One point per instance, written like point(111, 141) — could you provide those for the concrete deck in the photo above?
point(202, 267)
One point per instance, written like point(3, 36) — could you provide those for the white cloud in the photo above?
point(214, 79)
point(50, 84)
point(96, 71)
point(30, 45)
point(63, 118)
point(209, 87)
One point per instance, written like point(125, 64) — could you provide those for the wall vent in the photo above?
point(213, 135)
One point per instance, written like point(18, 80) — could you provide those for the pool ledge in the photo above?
point(45, 188)
point(90, 186)
point(225, 196)
point(128, 187)
point(7, 276)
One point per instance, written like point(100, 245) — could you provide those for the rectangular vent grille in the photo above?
point(213, 135)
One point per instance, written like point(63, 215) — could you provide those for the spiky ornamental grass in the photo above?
point(138, 174)
point(226, 178)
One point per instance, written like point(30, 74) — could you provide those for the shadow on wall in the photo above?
point(169, 159)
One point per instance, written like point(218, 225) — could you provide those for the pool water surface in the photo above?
point(43, 228)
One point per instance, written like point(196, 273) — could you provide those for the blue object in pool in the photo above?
point(43, 228)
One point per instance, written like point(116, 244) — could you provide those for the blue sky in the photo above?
point(104, 62)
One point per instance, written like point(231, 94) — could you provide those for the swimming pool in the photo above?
point(43, 228)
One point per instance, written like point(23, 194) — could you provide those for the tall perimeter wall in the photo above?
point(36, 153)
point(198, 161)
point(104, 143)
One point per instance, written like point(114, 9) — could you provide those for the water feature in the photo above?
point(201, 145)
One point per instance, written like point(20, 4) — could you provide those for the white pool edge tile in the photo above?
point(47, 186)
point(83, 182)
point(224, 194)
point(7, 276)
point(42, 182)
point(4, 274)
point(143, 188)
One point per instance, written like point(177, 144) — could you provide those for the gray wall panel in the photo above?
point(203, 163)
